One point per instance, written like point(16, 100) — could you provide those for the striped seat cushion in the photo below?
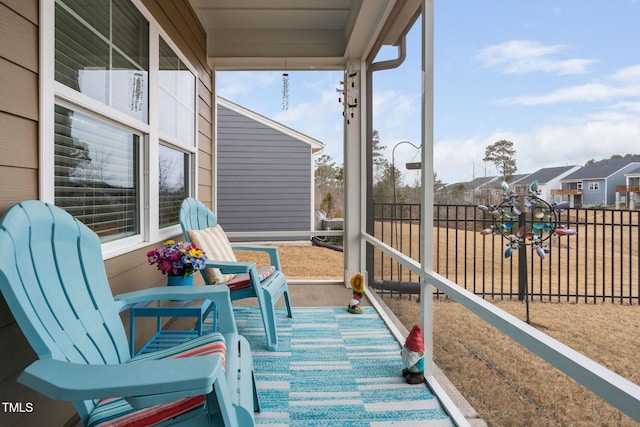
point(214, 242)
point(243, 280)
point(116, 412)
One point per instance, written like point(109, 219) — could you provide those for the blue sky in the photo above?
point(558, 78)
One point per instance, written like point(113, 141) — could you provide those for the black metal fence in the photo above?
point(599, 263)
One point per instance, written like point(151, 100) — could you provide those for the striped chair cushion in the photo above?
point(214, 242)
point(243, 280)
point(116, 412)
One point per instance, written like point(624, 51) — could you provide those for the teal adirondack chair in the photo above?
point(244, 279)
point(53, 279)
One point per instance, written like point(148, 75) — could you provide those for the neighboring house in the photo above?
point(629, 193)
point(548, 179)
point(477, 191)
point(595, 184)
point(484, 190)
point(265, 174)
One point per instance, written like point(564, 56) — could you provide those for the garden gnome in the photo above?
point(357, 285)
point(413, 357)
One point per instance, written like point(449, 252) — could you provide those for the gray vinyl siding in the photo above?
point(618, 178)
point(264, 177)
point(594, 197)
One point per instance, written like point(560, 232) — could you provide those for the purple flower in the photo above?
point(179, 259)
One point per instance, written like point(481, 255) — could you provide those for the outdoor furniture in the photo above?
point(166, 338)
point(53, 279)
point(244, 279)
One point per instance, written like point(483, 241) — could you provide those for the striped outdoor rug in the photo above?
point(333, 368)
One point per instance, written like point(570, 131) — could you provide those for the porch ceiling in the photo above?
point(295, 34)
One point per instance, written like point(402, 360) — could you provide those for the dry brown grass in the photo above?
point(505, 383)
point(302, 262)
point(510, 386)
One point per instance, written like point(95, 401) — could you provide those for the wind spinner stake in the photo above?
point(525, 220)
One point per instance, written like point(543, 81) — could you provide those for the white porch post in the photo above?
point(426, 198)
point(354, 176)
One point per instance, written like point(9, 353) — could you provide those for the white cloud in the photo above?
point(527, 56)
point(574, 142)
point(233, 84)
point(629, 74)
point(393, 111)
point(589, 92)
point(460, 160)
point(321, 119)
point(623, 84)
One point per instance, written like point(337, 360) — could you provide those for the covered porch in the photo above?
point(341, 35)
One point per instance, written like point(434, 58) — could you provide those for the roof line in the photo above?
point(316, 146)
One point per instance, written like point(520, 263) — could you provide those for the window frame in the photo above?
point(52, 92)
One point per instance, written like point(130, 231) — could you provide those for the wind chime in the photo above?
point(285, 91)
point(349, 94)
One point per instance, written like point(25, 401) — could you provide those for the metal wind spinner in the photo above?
point(526, 220)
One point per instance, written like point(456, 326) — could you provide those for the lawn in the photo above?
point(510, 386)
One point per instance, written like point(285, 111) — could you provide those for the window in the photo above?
point(594, 186)
point(177, 96)
point(110, 60)
point(177, 125)
point(102, 51)
point(174, 166)
point(96, 174)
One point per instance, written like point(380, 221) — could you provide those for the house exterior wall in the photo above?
point(19, 173)
point(618, 178)
point(606, 192)
point(553, 184)
point(264, 177)
point(18, 101)
point(591, 196)
point(19, 25)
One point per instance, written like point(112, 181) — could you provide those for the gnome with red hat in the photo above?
point(413, 357)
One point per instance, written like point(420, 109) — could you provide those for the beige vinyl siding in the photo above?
point(19, 149)
point(18, 101)
point(19, 181)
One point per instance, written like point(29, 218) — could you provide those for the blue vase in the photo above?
point(180, 280)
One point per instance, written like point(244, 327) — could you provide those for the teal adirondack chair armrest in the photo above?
point(218, 294)
point(274, 256)
point(138, 382)
point(231, 267)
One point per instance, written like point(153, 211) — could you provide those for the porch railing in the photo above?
point(600, 263)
